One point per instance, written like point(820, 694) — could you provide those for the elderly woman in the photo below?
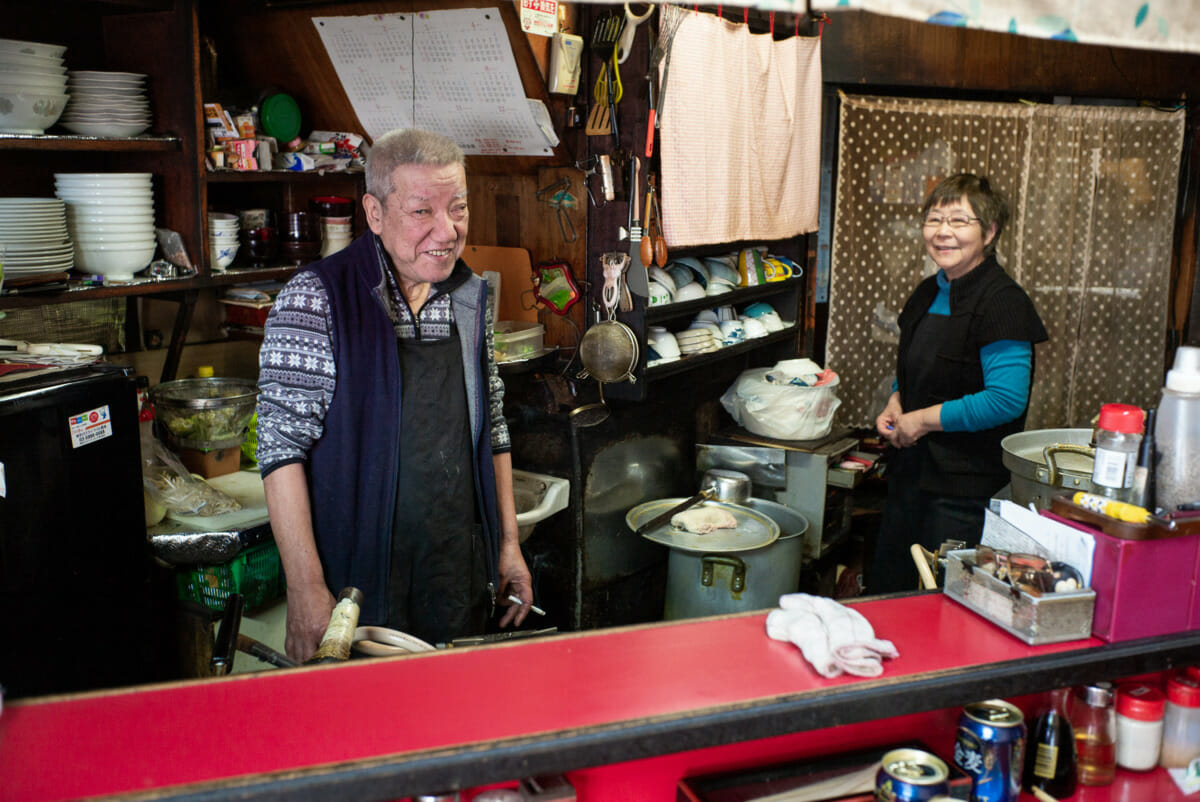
point(963, 376)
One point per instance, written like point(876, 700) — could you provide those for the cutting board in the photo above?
point(516, 277)
point(247, 488)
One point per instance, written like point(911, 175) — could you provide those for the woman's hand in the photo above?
point(912, 426)
point(885, 424)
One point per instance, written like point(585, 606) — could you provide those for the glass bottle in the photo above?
point(1050, 762)
point(1118, 437)
point(1095, 725)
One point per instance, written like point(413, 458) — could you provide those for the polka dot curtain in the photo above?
point(1091, 192)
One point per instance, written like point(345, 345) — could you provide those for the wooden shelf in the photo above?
point(742, 295)
point(78, 142)
point(280, 176)
point(697, 361)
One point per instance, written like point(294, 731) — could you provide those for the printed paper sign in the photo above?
point(88, 427)
point(540, 17)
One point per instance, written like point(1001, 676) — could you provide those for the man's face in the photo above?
point(423, 224)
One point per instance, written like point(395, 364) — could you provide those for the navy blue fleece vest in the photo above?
point(352, 470)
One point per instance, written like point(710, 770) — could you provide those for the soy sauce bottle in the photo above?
point(1050, 759)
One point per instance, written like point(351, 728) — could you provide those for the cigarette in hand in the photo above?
point(517, 600)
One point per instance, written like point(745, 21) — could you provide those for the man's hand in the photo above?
point(515, 580)
point(309, 608)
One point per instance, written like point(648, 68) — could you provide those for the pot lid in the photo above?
point(754, 529)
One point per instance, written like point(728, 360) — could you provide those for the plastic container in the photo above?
point(256, 573)
point(1095, 725)
point(1177, 433)
point(1140, 710)
point(518, 340)
point(1181, 722)
point(1118, 438)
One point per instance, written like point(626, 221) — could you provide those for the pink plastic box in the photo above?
point(1143, 587)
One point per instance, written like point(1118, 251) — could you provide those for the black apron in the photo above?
point(910, 515)
point(438, 579)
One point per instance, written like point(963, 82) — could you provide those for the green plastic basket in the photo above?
point(256, 573)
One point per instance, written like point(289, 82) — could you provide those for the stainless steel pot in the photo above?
point(734, 582)
point(731, 486)
point(1048, 462)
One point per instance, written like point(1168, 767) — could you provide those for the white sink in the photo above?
point(538, 496)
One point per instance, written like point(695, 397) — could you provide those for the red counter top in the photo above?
point(573, 700)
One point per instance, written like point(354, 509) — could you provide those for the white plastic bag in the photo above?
point(782, 411)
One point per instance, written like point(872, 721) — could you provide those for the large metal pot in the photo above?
point(1048, 462)
point(701, 584)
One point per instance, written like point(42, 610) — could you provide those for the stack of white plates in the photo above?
point(106, 103)
point(110, 216)
point(33, 237)
point(33, 84)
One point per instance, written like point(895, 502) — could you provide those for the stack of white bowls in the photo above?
point(223, 239)
point(106, 103)
point(110, 217)
point(33, 237)
point(33, 84)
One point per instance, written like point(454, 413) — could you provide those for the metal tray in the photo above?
point(1052, 618)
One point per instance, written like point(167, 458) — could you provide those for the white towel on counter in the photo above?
point(834, 638)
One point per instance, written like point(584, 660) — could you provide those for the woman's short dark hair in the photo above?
point(989, 204)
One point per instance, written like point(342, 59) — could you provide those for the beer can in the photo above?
point(911, 775)
point(990, 747)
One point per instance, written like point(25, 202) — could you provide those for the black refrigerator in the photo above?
point(82, 605)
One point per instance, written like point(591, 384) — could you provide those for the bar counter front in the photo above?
point(625, 713)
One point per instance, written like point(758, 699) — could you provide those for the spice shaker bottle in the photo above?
point(1140, 710)
point(1177, 433)
point(1050, 762)
point(1181, 722)
point(1117, 439)
point(1095, 725)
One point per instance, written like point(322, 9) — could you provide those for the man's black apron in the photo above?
point(438, 587)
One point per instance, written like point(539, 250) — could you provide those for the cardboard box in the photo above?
point(211, 462)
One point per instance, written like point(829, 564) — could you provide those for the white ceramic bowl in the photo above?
point(103, 181)
point(223, 256)
point(31, 82)
point(689, 292)
point(41, 49)
point(115, 192)
point(113, 207)
point(754, 327)
point(104, 234)
point(100, 216)
point(29, 112)
point(115, 260)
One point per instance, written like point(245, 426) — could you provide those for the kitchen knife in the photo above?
point(638, 280)
point(665, 517)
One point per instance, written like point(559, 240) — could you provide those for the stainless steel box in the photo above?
point(1051, 618)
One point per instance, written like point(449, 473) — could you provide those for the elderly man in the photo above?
point(381, 438)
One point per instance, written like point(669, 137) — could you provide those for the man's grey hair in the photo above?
point(407, 146)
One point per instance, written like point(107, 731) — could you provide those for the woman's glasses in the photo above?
point(957, 221)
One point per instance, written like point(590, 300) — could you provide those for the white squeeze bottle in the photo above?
point(1177, 433)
